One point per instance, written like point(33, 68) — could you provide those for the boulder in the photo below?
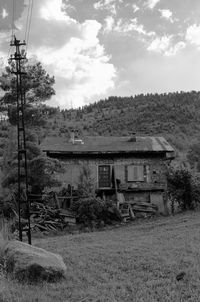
point(32, 264)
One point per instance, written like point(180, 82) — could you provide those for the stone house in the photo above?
point(134, 166)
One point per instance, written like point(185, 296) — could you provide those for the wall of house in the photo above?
point(150, 190)
point(155, 171)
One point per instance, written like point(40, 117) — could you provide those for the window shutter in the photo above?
point(141, 173)
point(135, 173)
point(130, 171)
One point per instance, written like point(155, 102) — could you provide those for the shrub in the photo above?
point(92, 210)
point(86, 184)
point(183, 188)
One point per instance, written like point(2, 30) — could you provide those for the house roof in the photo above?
point(102, 144)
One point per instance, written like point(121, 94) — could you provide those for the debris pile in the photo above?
point(145, 208)
point(130, 210)
point(45, 218)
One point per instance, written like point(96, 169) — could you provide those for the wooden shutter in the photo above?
point(135, 173)
point(140, 173)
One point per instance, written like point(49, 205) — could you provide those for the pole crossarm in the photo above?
point(22, 195)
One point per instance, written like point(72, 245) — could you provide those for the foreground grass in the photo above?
point(137, 262)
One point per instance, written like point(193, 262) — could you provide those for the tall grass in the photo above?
point(5, 235)
point(5, 229)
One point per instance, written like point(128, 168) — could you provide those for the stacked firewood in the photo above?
point(45, 218)
point(144, 209)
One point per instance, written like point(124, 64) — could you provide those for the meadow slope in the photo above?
point(136, 262)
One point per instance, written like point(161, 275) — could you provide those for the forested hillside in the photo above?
point(174, 115)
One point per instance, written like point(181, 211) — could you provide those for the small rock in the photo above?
point(180, 276)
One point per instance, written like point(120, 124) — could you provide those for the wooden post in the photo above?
point(115, 182)
point(56, 201)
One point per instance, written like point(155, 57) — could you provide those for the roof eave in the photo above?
point(109, 152)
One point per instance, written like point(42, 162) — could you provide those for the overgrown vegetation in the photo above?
point(91, 210)
point(183, 188)
point(193, 156)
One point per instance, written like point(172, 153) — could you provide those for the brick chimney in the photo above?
point(132, 137)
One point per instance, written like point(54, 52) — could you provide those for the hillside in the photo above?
point(137, 262)
point(175, 116)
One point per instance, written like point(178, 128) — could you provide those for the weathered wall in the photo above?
point(155, 172)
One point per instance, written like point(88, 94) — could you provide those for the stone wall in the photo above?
point(155, 171)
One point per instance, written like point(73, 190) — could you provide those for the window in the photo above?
point(136, 173)
point(104, 174)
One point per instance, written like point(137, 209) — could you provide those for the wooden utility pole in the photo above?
point(22, 195)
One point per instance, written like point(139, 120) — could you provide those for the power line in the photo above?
point(13, 19)
point(27, 20)
point(12, 26)
point(29, 23)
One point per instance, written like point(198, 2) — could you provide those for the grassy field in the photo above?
point(136, 262)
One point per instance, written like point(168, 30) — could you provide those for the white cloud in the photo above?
point(72, 52)
point(109, 24)
point(193, 34)
point(52, 10)
point(152, 3)
point(67, 7)
point(109, 5)
point(160, 44)
point(166, 14)
point(128, 26)
point(4, 13)
point(173, 50)
point(164, 45)
point(135, 8)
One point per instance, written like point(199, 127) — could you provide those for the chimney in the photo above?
point(132, 137)
point(72, 136)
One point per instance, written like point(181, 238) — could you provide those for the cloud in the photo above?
point(193, 34)
point(164, 45)
point(174, 49)
point(72, 52)
point(126, 26)
point(135, 8)
point(4, 13)
point(152, 3)
point(109, 5)
point(109, 24)
point(68, 7)
point(160, 44)
point(166, 14)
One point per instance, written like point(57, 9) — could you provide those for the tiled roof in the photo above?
point(111, 144)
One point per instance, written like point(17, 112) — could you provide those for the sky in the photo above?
point(101, 48)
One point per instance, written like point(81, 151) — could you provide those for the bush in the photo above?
point(183, 188)
point(92, 210)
